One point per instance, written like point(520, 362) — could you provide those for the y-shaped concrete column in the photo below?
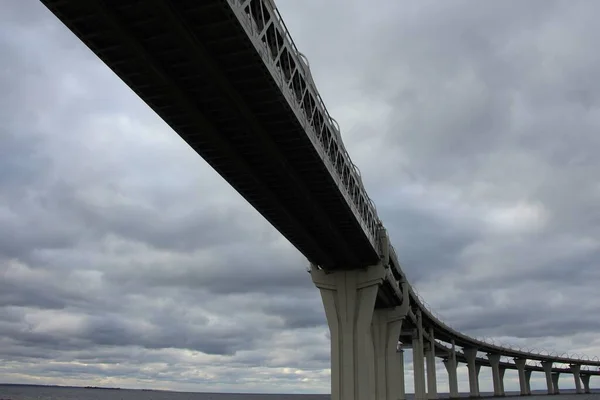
point(452, 377)
point(385, 330)
point(401, 384)
point(470, 355)
point(494, 360)
point(349, 300)
point(520, 363)
point(502, 371)
point(450, 364)
point(528, 381)
point(418, 368)
point(431, 378)
point(586, 382)
point(547, 365)
point(576, 368)
point(555, 376)
point(419, 360)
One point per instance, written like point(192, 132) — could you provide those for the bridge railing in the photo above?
point(290, 69)
point(508, 348)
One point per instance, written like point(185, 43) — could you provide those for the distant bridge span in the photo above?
point(227, 77)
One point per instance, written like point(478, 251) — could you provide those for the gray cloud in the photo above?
point(125, 260)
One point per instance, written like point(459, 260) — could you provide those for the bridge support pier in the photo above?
point(547, 365)
point(494, 360)
point(419, 360)
point(386, 327)
point(349, 301)
point(520, 363)
point(576, 368)
point(401, 383)
point(555, 376)
point(586, 382)
point(528, 381)
point(450, 364)
point(470, 355)
point(431, 372)
point(502, 371)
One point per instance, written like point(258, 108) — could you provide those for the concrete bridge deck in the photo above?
point(226, 76)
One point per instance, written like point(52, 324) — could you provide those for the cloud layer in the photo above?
point(125, 260)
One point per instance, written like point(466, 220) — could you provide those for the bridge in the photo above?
point(227, 77)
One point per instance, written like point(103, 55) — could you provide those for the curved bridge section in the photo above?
point(429, 337)
point(227, 77)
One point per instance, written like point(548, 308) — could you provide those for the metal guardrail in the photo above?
point(576, 358)
point(290, 70)
point(532, 363)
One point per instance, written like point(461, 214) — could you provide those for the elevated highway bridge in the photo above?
point(228, 79)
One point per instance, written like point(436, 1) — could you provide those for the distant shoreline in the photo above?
point(141, 389)
point(103, 388)
point(66, 387)
point(443, 395)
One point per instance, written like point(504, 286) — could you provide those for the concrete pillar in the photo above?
point(586, 382)
point(494, 360)
point(431, 376)
point(452, 377)
point(576, 368)
point(349, 301)
point(385, 329)
point(450, 364)
point(555, 376)
point(370, 363)
point(470, 355)
point(418, 368)
point(547, 365)
point(419, 360)
point(502, 371)
point(527, 381)
point(520, 363)
point(401, 384)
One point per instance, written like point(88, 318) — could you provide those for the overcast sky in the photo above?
point(125, 260)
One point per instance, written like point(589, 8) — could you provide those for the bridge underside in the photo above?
point(194, 65)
